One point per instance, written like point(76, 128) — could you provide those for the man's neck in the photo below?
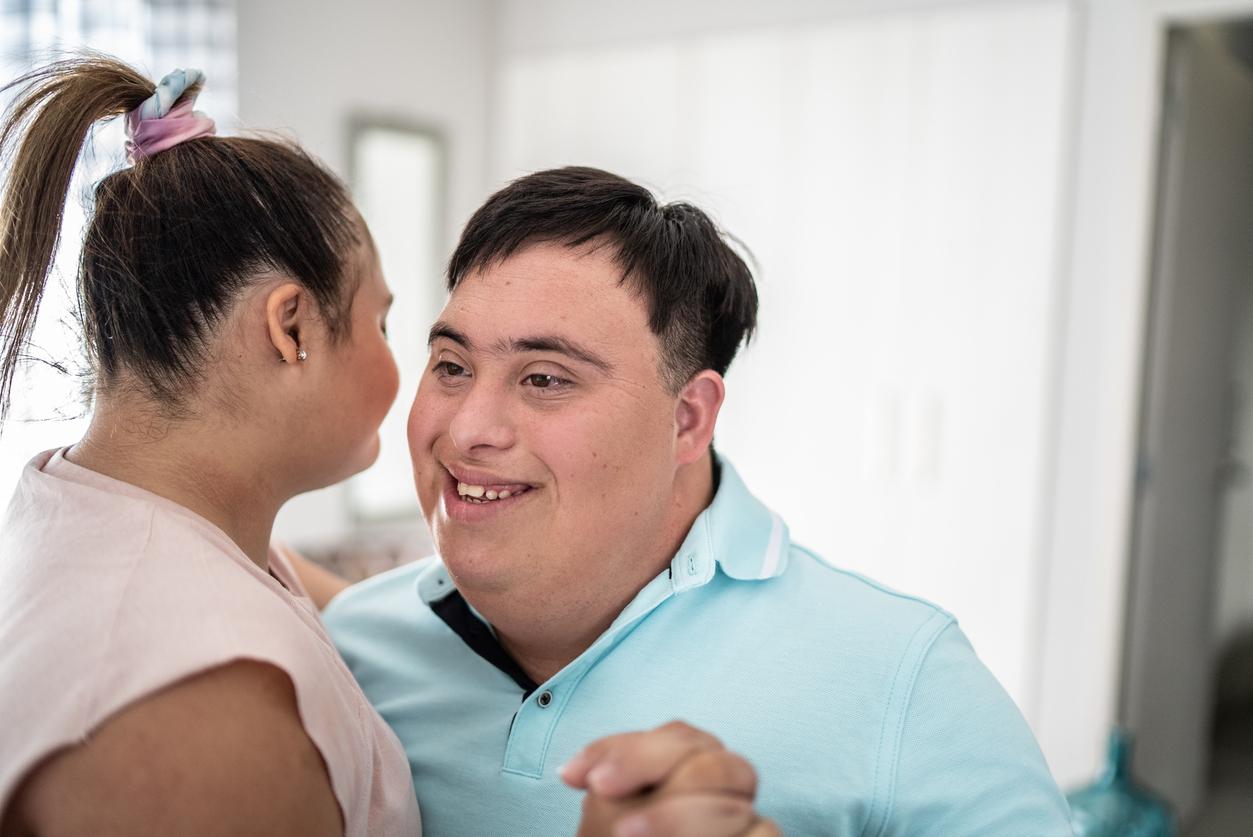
point(187, 463)
point(543, 641)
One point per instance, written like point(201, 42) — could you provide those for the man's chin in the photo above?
point(475, 571)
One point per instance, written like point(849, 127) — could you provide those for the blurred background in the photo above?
point(1006, 271)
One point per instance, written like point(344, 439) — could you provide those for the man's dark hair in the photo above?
point(702, 302)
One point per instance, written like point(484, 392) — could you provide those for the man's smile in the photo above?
point(473, 495)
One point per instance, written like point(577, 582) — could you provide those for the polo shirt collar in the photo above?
point(736, 534)
point(434, 582)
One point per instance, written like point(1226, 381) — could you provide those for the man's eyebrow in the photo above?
point(443, 329)
point(562, 346)
point(540, 343)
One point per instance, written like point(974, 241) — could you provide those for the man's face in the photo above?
point(543, 391)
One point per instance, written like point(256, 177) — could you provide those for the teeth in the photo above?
point(480, 494)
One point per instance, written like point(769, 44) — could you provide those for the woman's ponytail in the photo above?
point(172, 240)
point(41, 136)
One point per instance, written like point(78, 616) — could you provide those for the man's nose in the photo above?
point(482, 421)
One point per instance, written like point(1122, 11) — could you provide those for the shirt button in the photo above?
point(545, 698)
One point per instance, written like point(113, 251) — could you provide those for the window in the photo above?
point(397, 183)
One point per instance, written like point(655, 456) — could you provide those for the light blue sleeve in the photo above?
point(966, 761)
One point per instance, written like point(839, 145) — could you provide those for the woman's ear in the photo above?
point(696, 414)
point(286, 315)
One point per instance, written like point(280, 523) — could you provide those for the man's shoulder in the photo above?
point(751, 542)
point(841, 598)
point(847, 628)
point(941, 712)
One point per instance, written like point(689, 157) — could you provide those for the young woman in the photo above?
point(161, 669)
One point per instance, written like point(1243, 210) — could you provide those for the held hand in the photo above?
point(675, 780)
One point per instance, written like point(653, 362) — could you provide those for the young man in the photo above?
point(599, 567)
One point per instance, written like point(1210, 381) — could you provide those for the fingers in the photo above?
point(707, 815)
point(694, 786)
point(713, 771)
point(625, 764)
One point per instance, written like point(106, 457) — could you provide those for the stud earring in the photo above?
point(301, 354)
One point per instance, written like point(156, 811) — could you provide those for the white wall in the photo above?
point(526, 26)
point(310, 67)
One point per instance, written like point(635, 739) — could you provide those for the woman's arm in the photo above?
point(221, 753)
point(321, 584)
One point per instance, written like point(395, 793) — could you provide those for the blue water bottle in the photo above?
point(1114, 805)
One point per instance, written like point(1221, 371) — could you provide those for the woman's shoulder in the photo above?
point(89, 626)
point(188, 759)
point(98, 593)
point(97, 580)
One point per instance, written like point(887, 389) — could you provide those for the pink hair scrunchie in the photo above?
point(162, 121)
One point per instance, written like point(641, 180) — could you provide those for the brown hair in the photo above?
point(171, 241)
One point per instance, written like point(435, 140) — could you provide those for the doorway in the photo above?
point(1191, 585)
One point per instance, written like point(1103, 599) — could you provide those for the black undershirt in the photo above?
point(456, 613)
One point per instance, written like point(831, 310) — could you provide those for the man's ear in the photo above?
point(286, 315)
point(696, 414)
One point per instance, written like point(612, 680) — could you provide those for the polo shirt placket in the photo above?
point(543, 704)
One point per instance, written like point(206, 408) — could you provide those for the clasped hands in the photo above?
point(675, 781)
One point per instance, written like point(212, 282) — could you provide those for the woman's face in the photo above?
point(358, 378)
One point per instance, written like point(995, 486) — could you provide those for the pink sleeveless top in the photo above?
point(109, 593)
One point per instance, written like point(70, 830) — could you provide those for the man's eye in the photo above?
point(447, 368)
point(546, 382)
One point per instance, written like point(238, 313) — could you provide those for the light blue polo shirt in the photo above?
point(864, 711)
